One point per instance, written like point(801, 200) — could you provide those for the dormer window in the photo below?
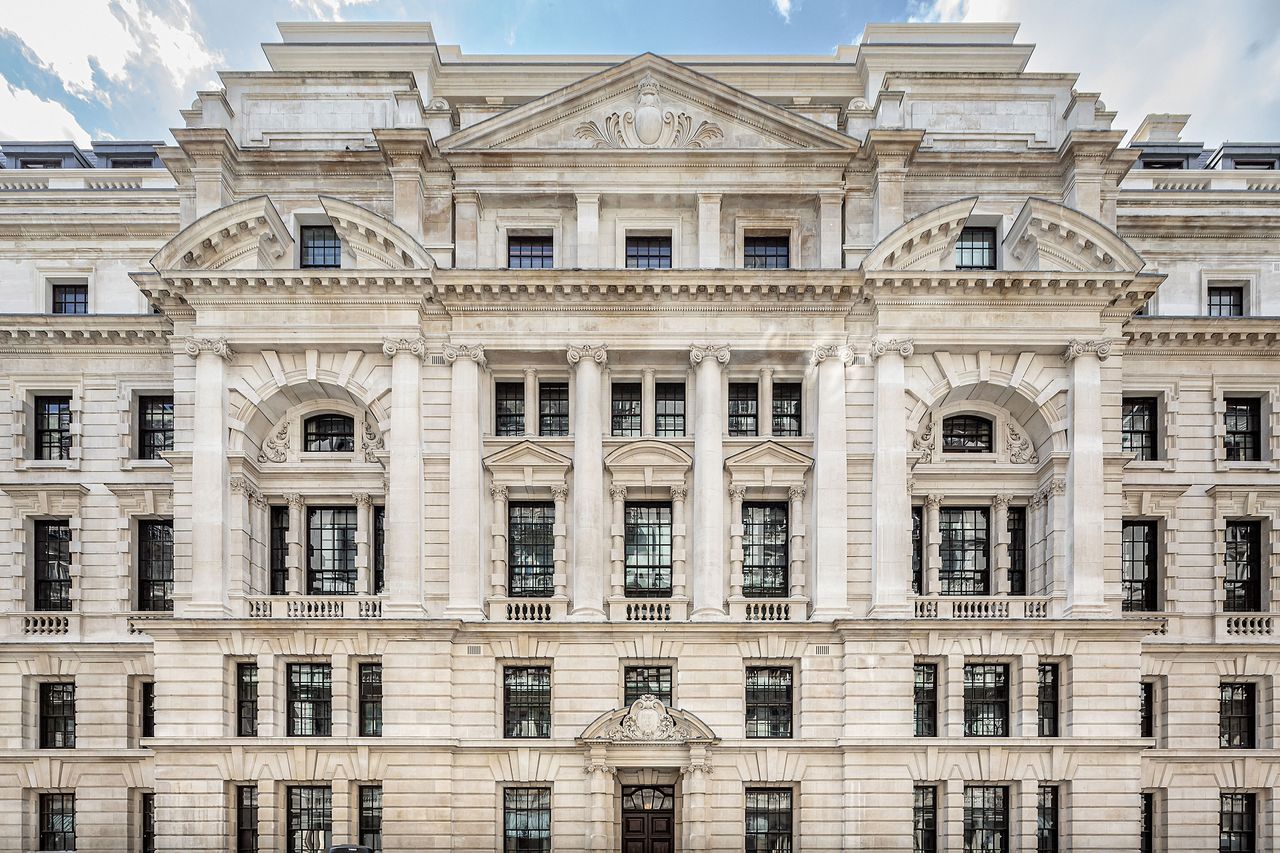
point(329, 434)
point(321, 248)
point(976, 249)
point(966, 434)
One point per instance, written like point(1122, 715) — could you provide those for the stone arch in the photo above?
point(266, 408)
point(1025, 405)
point(926, 242)
point(1046, 235)
point(376, 242)
point(246, 235)
point(1011, 440)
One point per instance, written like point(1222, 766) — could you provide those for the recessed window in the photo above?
point(379, 549)
point(647, 550)
point(329, 434)
point(965, 550)
point(1016, 524)
point(669, 409)
point(917, 557)
point(155, 566)
point(924, 819)
point(526, 820)
point(147, 715)
point(1262, 165)
point(155, 426)
point(649, 253)
point(331, 550)
point(744, 409)
point(131, 163)
point(1047, 819)
point(768, 814)
point(246, 700)
point(39, 163)
point(765, 561)
point(1147, 830)
point(766, 252)
point(640, 681)
point(1237, 823)
point(926, 699)
point(279, 556)
point(1147, 709)
point(1242, 581)
point(786, 409)
point(986, 819)
point(530, 252)
point(976, 249)
point(1226, 301)
point(1138, 571)
point(1238, 716)
point(1138, 427)
point(310, 699)
point(625, 409)
point(70, 298)
point(310, 819)
point(508, 408)
point(769, 701)
point(526, 702)
point(1242, 435)
point(58, 715)
point(531, 549)
point(321, 248)
point(247, 819)
point(986, 700)
point(371, 817)
point(1158, 163)
point(147, 819)
point(53, 427)
point(52, 566)
point(370, 675)
point(1048, 691)
point(553, 408)
point(57, 821)
point(966, 434)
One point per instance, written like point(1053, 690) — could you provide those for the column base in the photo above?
point(206, 611)
point(709, 614)
point(588, 614)
point(896, 610)
point(467, 613)
point(1087, 611)
point(828, 614)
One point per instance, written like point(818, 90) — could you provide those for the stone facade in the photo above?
point(873, 171)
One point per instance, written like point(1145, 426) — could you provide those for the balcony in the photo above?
point(36, 626)
point(997, 607)
point(1244, 628)
point(794, 609)
point(503, 609)
point(314, 607)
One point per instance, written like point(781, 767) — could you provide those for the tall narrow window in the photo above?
point(626, 409)
point(1047, 694)
point(965, 551)
point(647, 550)
point(155, 426)
point(321, 248)
point(769, 702)
point(768, 818)
point(766, 252)
point(649, 253)
point(310, 699)
point(329, 434)
point(976, 249)
point(1237, 823)
point(530, 550)
point(1147, 709)
point(924, 819)
point(508, 408)
point(1238, 716)
point(279, 556)
point(53, 428)
point(1147, 830)
point(147, 715)
point(530, 252)
point(917, 555)
point(744, 409)
point(246, 700)
point(1016, 522)
point(926, 699)
point(1138, 427)
point(986, 819)
point(71, 299)
point(1242, 438)
point(52, 566)
point(309, 822)
point(379, 549)
point(1138, 576)
point(155, 566)
point(986, 700)
point(669, 409)
point(1047, 819)
point(58, 715)
point(553, 408)
point(1226, 301)
point(247, 819)
point(966, 434)
point(57, 821)
point(147, 821)
point(646, 680)
point(526, 820)
point(786, 409)
point(526, 701)
point(370, 700)
point(765, 552)
point(331, 550)
point(371, 817)
point(1243, 579)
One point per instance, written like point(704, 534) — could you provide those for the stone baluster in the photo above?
point(736, 555)
point(891, 505)
point(679, 542)
point(588, 361)
point(209, 476)
point(405, 481)
point(618, 530)
point(708, 482)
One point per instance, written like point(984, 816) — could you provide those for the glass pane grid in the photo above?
point(986, 700)
point(147, 697)
point(1138, 427)
point(765, 561)
point(1243, 424)
point(1147, 710)
point(1237, 823)
point(744, 409)
point(331, 551)
point(768, 818)
point(1243, 579)
point(321, 247)
point(626, 409)
point(1226, 302)
point(769, 702)
point(279, 556)
point(155, 426)
point(1047, 695)
point(58, 715)
point(1017, 525)
point(651, 680)
point(553, 408)
point(247, 700)
point(71, 299)
point(786, 409)
point(53, 428)
point(917, 556)
point(148, 821)
point(1138, 566)
point(1047, 819)
point(1237, 721)
point(653, 253)
point(508, 407)
point(1146, 832)
point(57, 822)
point(986, 819)
point(247, 819)
point(379, 549)
point(647, 550)
point(924, 818)
point(976, 249)
point(310, 819)
point(530, 252)
point(966, 434)
point(964, 550)
point(926, 700)
point(526, 820)
point(526, 700)
point(530, 550)
point(155, 566)
point(52, 566)
point(310, 698)
point(371, 817)
point(766, 252)
point(669, 409)
point(371, 700)
point(329, 434)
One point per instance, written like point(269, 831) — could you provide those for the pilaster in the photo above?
point(209, 477)
point(829, 588)
point(1085, 485)
point(708, 483)
point(404, 484)
point(890, 501)
point(466, 478)
point(588, 573)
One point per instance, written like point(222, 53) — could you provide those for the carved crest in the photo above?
point(648, 720)
point(649, 125)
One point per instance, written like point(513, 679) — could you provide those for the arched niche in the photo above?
point(271, 425)
point(1012, 442)
point(246, 235)
point(1013, 411)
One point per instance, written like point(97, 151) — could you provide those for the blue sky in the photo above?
point(123, 68)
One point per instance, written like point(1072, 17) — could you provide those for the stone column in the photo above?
point(466, 481)
point(364, 543)
point(600, 785)
point(1056, 547)
point(209, 476)
point(679, 542)
point(530, 401)
point(466, 206)
point(1035, 544)
point(1086, 486)
point(240, 523)
point(736, 556)
point(696, 836)
point(708, 230)
point(648, 403)
point(829, 590)
point(588, 361)
point(830, 206)
point(295, 562)
point(560, 532)
point(1000, 539)
point(952, 696)
point(796, 548)
point(498, 549)
point(708, 483)
point(341, 695)
point(933, 545)
point(764, 419)
point(589, 231)
point(404, 481)
point(890, 502)
point(618, 530)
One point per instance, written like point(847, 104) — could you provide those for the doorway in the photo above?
point(648, 819)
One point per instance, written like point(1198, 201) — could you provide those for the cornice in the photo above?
point(94, 334)
point(927, 287)
point(1238, 337)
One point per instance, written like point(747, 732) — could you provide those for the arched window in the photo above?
point(966, 434)
point(329, 434)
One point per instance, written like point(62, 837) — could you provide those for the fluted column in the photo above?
point(498, 548)
point(933, 544)
point(679, 542)
point(890, 502)
point(560, 534)
point(209, 475)
point(736, 557)
point(708, 483)
point(1086, 486)
point(295, 561)
point(588, 481)
point(618, 530)
point(466, 481)
point(364, 542)
point(796, 549)
point(830, 587)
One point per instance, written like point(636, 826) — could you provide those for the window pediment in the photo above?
point(376, 242)
point(926, 242)
point(246, 235)
point(1046, 235)
point(648, 463)
point(648, 721)
point(768, 464)
point(528, 464)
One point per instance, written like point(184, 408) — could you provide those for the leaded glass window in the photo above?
point(526, 701)
point(765, 551)
point(769, 701)
point(331, 550)
point(647, 550)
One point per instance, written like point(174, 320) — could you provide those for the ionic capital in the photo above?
point(618, 492)
point(699, 353)
point(796, 493)
point(194, 347)
point(463, 352)
point(414, 346)
point(680, 492)
point(294, 500)
point(363, 499)
point(1002, 501)
point(933, 501)
point(1077, 348)
point(903, 346)
point(822, 352)
point(588, 352)
point(737, 491)
point(499, 491)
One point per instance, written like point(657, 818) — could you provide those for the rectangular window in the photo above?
point(669, 409)
point(786, 409)
point(52, 566)
point(1138, 576)
point(70, 299)
point(1147, 831)
point(1243, 579)
point(1047, 819)
point(639, 681)
point(147, 715)
point(626, 409)
point(379, 549)
point(768, 815)
point(986, 700)
point(321, 248)
point(769, 701)
point(370, 700)
point(771, 252)
point(765, 552)
point(310, 699)
point(155, 566)
point(926, 699)
point(246, 700)
point(1138, 427)
point(530, 252)
point(53, 428)
point(924, 819)
point(1048, 691)
point(986, 819)
point(1238, 716)
point(508, 408)
point(647, 550)
point(58, 715)
point(57, 821)
point(649, 253)
point(247, 819)
point(279, 550)
point(965, 550)
point(531, 550)
point(553, 408)
point(1147, 709)
point(917, 556)
point(155, 426)
point(371, 817)
point(526, 820)
point(147, 817)
point(331, 550)
point(1226, 301)
point(526, 701)
point(976, 249)
point(1243, 423)
point(309, 824)
point(744, 409)
point(1017, 525)
point(1237, 823)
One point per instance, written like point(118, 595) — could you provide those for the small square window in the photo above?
point(529, 252)
point(649, 253)
point(1226, 301)
point(766, 252)
point(321, 248)
point(976, 249)
point(70, 299)
point(1242, 429)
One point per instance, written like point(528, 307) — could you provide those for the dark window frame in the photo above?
point(246, 699)
point(308, 809)
point(670, 409)
point(744, 409)
point(531, 549)
point(766, 251)
point(1139, 565)
point(553, 409)
point(1238, 715)
point(526, 819)
point(1242, 429)
point(1048, 819)
point(626, 409)
point(770, 701)
point(1147, 708)
point(246, 818)
point(508, 408)
point(788, 409)
point(1242, 566)
point(319, 247)
point(917, 549)
point(968, 434)
point(966, 557)
point(924, 819)
point(1225, 300)
point(52, 433)
point(370, 819)
point(531, 251)
point(987, 699)
point(768, 816)
point(154, 561)
point(309, 699)
point(69, 298)
point(1146, 827)
point(526, 701)
point(57, 828)
point(1016, 525)
point(649, 251)
point(155, 425)
point(766, 557)
point(51, 569)
point(57, 715)
point(369, 697)
point(379, 549)
point(1049, 699)
point(147, 822)
point(146, 708)
point(654, 679)
point(1237, 822)
point(1139, 427)
point(976, 249)
point(925, 698)
point(986, 819)
point(278, 558)
point(331, 550)
point(329, 432)
point(648, 556)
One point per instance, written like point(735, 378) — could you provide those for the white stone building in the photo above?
point(713, 453)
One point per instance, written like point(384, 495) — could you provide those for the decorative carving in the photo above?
point(699, 352)
point(737, 491)
point(649, 125)
point(437, 104)
point(1057, 486)
point(218, 346)
point(454, 352)
point(363, 499)
point(1021, 451)
point(590, 352)
point(560, 492)
point(822, 352)
point(413, 346)
point(1076, 348)
point(903, 346)
point(276, 447)
point(859, 105)
point(796, 493)
point(498, 491)
point(598, 765)
point(1002, 501)
point(933, 501)
point(924, 439)
point(618, 492)
point(679, 493)
point(372, 441)
point(241, 486)
point(294, 500)
point(648, 721)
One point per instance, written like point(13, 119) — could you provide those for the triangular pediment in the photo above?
point(526, 454)
point(648, 103)
point(769, 454)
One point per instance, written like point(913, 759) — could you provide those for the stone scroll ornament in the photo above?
point(648, 721)
point(649, 125)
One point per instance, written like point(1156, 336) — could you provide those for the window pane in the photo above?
point(743, 409)
point(1147, 710)
point(1237, 716)
point(647, 550)
point(1138, 427)
point(917, 557)
point(155, 426)
point(530, 252)
point(924, 818)
point(530, 549)
point(1243, 580)
point(58, 715)
point(310, 819)
point(976, 249)
point(1016, 522)
point(926, 699)
point(786, 409)
point(965, 554)
point(329, 434)
point(148, 820)
point(1138, 579)
point(652, 680)
point(279, 550)
point(1226, 302)
point(768, 701)
point(626, 409)
point(986, 819)
point(147, 698)
point(155, 566)
point(553, 408)
point(669, 406)
point(1242, 439)
point(371, 817)
point(986, 700)
point(331, 551)
point(766, 557)
point(649, 253)
point(247, 819)
point(1047, 819)
point(320, 247)
point(310, 698)
point(1147, 832)
point(526, 820)
point(371, 700)
point(1237, 823)
point(1048, 692)
point(966, 434)
point(247, 700)
point(52, 566)
point(771, 252)
point(508, 407)
point(53, 428)
point(526, 700)
point(379, 549)
point(768, 818)
point(70, 299)
point(57, 822)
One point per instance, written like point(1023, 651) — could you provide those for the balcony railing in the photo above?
point(503, 609)
point(1245, 627)
point(997, 607)
point(37, 626)
point(314, 607)
point(768, 609)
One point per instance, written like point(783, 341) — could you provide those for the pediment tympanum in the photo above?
point(376, 242)
point(527, 464)
point(768, 464)
point(926, 242)
point(648, 463)
point(648, 103)
point(647, 721)
point(1046, 235)
point(246, 235)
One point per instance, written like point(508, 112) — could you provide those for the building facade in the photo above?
point(439, 452)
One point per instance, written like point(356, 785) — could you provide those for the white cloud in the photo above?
point(329, 10)
point(783, 8)
point(1220, 66)
point(35, 117)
